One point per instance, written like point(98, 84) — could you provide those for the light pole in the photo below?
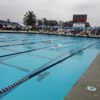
point(42, 21)
point(60, 26)
point(37, 24)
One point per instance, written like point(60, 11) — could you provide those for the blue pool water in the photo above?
point(43, 51)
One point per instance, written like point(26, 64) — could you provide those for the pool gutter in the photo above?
point(36, 32)
point(91, 77)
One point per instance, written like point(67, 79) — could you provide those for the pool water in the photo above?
point(24, 54)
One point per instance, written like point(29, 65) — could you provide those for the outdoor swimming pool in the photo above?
point(51, 63)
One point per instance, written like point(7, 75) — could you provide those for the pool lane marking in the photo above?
point(21, 44)
point(30, 50)
point(18, 44)
point(19, 68)
point(31, 39)
point(51, 61)
point(9, 40)
point(27, 43)
point(39, 56)
point(9, 49)
point(41, 70)
point(59, 61)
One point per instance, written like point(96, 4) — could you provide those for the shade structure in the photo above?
point(55, 27)
point(66, 27)
point(5, 23)
point(42, 26)
point(75, 27)
point(98, 29)
point(11, 23)
point(48, 26)
point(17, 23)
point(82, 28)
point(91, 28)
point(0, 23)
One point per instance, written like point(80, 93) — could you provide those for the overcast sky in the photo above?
point(51, 9)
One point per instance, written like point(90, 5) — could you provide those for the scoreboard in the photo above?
point(79, 18)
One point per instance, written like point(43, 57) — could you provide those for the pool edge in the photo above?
point(91, 77)
point(46, 33)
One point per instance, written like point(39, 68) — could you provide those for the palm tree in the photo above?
point(29, 19)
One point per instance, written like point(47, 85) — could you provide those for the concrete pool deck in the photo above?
point(91, 77)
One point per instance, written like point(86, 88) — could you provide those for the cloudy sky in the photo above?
point(51, 9)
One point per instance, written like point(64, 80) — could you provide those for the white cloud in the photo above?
point(50, 9)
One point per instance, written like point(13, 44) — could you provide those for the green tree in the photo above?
point(70, 23)
point(39, 21)
point(87, 24)
point(55, 22)
point(29, 19)
point(61, 23)
point(8, 20)
point(66, 23)
point(52, 22)
point(44, 21)
point(2, 20)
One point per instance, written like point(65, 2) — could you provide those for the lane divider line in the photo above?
point(31, 50)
